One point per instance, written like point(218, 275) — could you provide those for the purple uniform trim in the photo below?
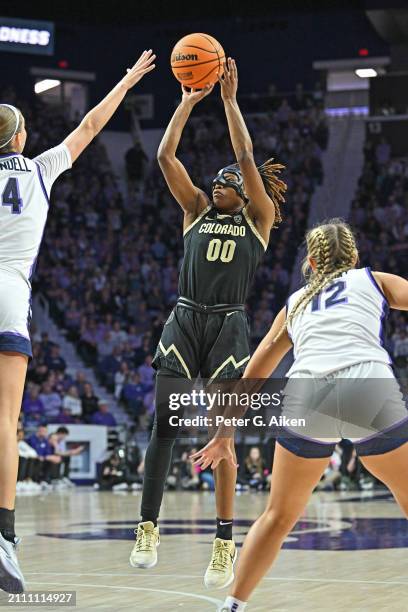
point(9, 154)
point(374, 282)
point(12, 341)
point(384, 308)
point(287, 312)
point(42, 183)
point(32, 269)
point(384, 441)
point(384, 315)
point(30, 310)
point(308, 449)
point(383, 431)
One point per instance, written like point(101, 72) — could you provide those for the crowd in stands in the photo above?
point(52, 395)
point(44, 459)
point(380, 215)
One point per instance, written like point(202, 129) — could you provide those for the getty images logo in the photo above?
point(181, 57)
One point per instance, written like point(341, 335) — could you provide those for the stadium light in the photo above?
point(366, 73)
point(46, 84)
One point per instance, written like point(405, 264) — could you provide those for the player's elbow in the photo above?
point(89, 127)
point(163, 154)
point(164, 158)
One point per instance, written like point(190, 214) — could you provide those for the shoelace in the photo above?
point(145, 541)
point(221, 558)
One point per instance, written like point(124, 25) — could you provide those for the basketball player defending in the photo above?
point(341, 376)
point(25, 187)
point(207, 331)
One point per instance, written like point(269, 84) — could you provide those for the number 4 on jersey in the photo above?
point(11, 196)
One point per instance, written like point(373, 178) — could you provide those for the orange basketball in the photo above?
point(196, 59)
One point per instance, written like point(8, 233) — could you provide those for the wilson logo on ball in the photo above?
point(181, 57)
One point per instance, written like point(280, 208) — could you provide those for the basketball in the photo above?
point(196, 60)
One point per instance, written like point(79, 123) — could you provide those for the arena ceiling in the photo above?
point(129, 11)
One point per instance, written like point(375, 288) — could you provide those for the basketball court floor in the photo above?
point(348, 552)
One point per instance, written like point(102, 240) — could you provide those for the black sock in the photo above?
point(7, 524)
point(154, 521)
point(224, 529)
point(9, 536)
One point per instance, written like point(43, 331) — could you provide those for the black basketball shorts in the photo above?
point(214, 346)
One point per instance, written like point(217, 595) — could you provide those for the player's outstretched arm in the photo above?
point(395, 289)
point(261, 204)
point(191, 199)
point(97, 118)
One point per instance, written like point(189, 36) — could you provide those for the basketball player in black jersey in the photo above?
point(207, 332)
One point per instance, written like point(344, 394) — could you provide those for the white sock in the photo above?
point(234, 604)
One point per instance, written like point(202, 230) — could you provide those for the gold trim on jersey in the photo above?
point(253, 228)
point(200, 216)
point(230, 359)
point(175, 350)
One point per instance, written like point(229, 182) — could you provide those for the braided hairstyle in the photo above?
point(333, 248)
point(275, 188)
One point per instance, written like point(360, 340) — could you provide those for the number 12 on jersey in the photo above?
point(11, 196)
point(333, 300)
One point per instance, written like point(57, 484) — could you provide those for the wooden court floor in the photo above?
point(349, 552)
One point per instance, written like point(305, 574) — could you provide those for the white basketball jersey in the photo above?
point(342, 326)
point(25, 187)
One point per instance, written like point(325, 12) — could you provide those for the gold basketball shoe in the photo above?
point(144, 553)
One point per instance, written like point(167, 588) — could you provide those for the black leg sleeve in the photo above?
point(159, 452)
point(66, 461)
point(22, 468)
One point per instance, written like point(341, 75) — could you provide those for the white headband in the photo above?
point(17, 116)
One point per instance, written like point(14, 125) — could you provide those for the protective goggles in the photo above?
point(231, 176)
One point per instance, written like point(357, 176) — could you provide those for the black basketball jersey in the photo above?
point(221, 254)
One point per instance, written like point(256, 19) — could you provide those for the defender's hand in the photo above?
point(229, 80)
point(143, 65)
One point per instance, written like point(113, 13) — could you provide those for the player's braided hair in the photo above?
point(275, 188)
point(333, 248)
point(8, 126)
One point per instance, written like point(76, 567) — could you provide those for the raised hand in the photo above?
point(195, 95)
point(229, 80)
point(143, 65)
